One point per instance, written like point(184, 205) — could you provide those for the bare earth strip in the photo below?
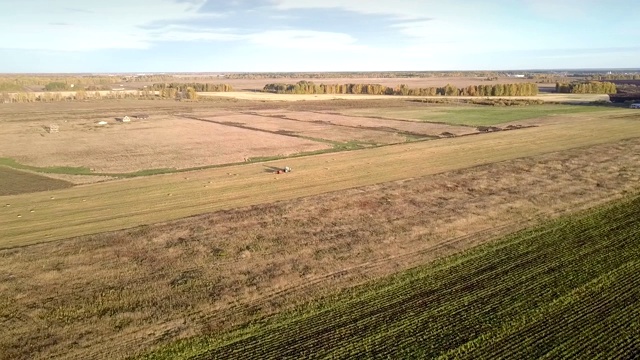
point(424, 128)
point(116, 294)
point(94, 208)
point(310, 129)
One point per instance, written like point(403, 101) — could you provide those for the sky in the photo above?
point(151, 36)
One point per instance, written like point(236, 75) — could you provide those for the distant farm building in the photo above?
point(53, 128)
point(141, 116)
point(124, 119)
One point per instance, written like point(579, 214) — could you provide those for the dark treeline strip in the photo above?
point(307, 87)
point(47, 97)
point(616, 77)
point(164, 91)
point(82, 81)
point(199, 87)
point(591, 87)
point(186, 90)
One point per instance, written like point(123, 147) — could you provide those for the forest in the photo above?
point(591, 87)
point(308, 87)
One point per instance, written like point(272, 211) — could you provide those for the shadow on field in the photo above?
point(271, 169)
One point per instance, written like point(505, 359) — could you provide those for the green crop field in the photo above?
point(14, 182)
point(479, 115)
point(566, 289)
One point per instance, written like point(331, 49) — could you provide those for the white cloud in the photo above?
point(429, 26)
point(72, 25)
point(188, 33)
point(304, 39)
point(401, 9)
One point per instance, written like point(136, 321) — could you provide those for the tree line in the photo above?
point(163, 91)
point(188, 91)
point(29, 97)
point(616, 77)
point(308, 87)
point(199, 87)
point(591, 87)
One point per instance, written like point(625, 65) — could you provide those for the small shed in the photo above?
point(124, 119)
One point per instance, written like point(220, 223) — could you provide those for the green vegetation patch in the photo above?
point(7, 86)
point(566, 289)
point(46, 170)
point(13, 182)
point(480, 115)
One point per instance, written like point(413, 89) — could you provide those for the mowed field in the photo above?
point(161, 142)
point(326, 126)
point(478, 115)
point(177, 136)
point(113, 205)
point(372, 123)
point(116, 294)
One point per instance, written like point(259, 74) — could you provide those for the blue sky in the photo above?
point(316, 35)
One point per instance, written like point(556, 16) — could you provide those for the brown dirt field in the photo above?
point(424, 128)
point(314, 130)
point(117, 294)
point(156, 143)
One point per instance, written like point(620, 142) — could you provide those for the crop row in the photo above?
point(454, 307)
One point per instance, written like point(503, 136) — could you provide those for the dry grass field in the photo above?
point(122, 293)
point(315, 130)
point(160, 142)
point(410, 127)
point(94, 208)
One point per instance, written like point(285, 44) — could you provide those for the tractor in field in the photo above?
point(284, 170)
